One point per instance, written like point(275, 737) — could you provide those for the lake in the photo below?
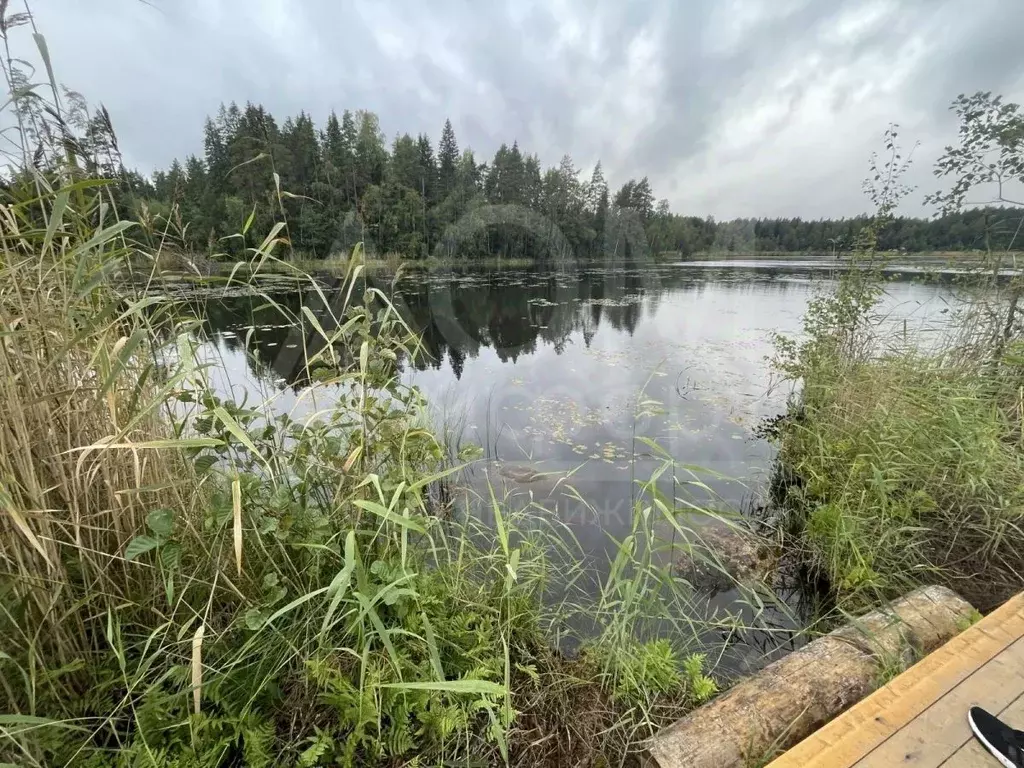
point(574, 381)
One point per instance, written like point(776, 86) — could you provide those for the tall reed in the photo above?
point(187, 580)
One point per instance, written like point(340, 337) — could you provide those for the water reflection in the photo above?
point(512, 312)
point(563, 376)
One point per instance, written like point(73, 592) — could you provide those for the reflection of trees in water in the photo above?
point(510, 312)
point(280, 339)
point(516, 312)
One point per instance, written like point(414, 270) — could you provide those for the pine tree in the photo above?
point(497, 177)
point(248, 151)
point(404, 168)
point(624, 197)
point(303, 155)
point(515, 174)
point(172, 182)
point(338, 161)
point(600, 222)
point(218, 163)
point(348, 167)
point(469, 178)
point(298, 166)
point(597, 189)
point(193, 197)
point(643, 200)
point(330, 142)
point(637, 196)
point(532, 192)
point(228, 119)
point(572, 202)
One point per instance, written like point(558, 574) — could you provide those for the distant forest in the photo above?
point(344, 184)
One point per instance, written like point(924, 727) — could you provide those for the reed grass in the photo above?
point(905, 461)
point(83, 451)
point(189, 580)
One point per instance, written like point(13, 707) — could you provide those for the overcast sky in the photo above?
point(731, 107)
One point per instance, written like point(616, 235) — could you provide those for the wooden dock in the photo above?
point(919, 719)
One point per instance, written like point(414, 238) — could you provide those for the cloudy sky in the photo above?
point(731, 107)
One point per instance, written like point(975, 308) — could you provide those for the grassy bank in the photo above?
point(902, 467)
point(901, 460)
point(392, 262)
point(191, 581)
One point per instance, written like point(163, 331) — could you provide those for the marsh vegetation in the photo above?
point(245, 524)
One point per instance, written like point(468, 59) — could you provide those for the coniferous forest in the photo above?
point(346, 183)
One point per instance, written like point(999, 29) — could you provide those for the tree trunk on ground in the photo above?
point(793, 697)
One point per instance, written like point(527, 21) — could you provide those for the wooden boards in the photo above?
point(793, 697)
point(919, 719)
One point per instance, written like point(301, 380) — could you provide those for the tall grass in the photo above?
point(187, 580)
point(901, 462)
point(905, 461)
point(83, 449)
point(911, 473)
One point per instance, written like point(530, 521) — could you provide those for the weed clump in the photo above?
point(905, 462)
point(911, 473)
point(193, 581)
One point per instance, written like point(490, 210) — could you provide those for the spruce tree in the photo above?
point(447, 159)
point(348, 167)
point(428, 170)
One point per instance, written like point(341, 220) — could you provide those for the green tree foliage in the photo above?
point(428, 188)
point(393, 217)
point(447, 159)
point(990, 153)
point(637, 196)
point(371, 156)
point(342, 184)
point(405, 169)
point(339, 157)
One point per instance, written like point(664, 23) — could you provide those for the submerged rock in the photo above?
point(718, 557)
point(519, 473)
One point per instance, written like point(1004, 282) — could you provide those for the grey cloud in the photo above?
point(731, 107)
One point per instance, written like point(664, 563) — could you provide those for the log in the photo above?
point(794, 696)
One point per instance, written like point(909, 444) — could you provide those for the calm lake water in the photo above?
point(562, 376)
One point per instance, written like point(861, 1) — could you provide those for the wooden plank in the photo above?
point(972, 754)
point(942, 728)
point(867, 724)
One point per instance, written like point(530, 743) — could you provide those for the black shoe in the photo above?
point(1004, 742)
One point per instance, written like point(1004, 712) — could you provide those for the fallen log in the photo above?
point(794, 696)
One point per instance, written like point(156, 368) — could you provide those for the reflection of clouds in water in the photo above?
point(234, 376)
point(229, 374)
point(571, 367)
point(714, 337)
point(692, 373)
point(555, 383)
